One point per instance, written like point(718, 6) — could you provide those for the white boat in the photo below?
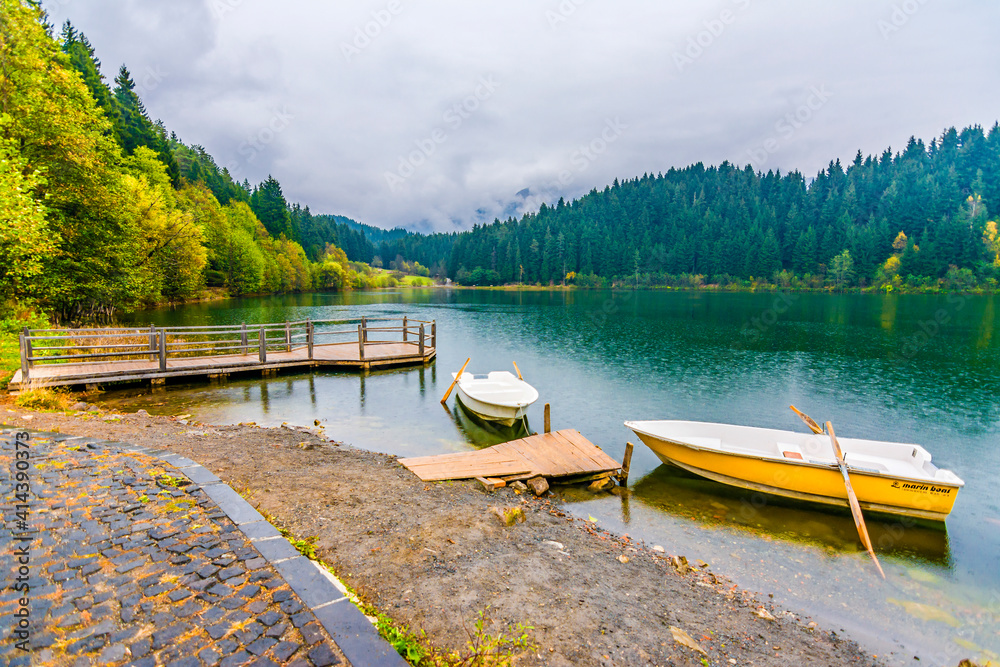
point(498, 397)
point(887, 477)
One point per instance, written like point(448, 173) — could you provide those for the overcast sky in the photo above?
point(436, 114)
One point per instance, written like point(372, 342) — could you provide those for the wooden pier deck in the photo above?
point(563, 453)
point(97, 356)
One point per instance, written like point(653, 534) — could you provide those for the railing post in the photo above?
point(152, 342)
point(434, 334)
point(364, 328)
point(163, 349)
point(27, 345)
point(421, 340)
point(24, 356)
point(310, 337)
point(262, 345)
point(243, 339)
point(404, 328)
point(361, 342)
point(288, 337)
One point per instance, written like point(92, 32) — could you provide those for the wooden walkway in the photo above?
point(563, 453)
point(194, 352)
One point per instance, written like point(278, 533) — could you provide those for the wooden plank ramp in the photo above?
point(564, 453)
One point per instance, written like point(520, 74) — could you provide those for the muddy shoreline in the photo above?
point(435, 556)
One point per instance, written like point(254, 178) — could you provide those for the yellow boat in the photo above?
point(887, 477)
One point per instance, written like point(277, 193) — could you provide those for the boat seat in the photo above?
point(868, 463)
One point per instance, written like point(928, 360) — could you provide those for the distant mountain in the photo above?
point(374, 234)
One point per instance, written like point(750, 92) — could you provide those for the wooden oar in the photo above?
point(808, 420)
point(518, 372)
point(859, 520)
point(448, 393)
point(852, 498)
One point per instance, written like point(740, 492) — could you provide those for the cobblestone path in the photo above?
point(126, 561)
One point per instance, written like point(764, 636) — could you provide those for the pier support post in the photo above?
point(626, 463)
point(310, 338)
point(361, 342)
point(163, 349)
point(404, 329)
point(364, 329)
point(421, 340)
point(243, 338)
point(262, 345)
point(288, 337)
point(434, 334)
point(548, 418)
point(152, 342)
point(24, 356)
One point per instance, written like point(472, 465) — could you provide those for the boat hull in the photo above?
point(499, 414)
point(809, 481)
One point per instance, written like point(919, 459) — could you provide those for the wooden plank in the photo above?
point(482, 454)
point(492, 470)
point(588, 449)
point(541, 462)
point(491, 483)
point(566, 460)
point(588, 452)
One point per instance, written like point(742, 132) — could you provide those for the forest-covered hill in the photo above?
point(918, 217)
point(102, 210)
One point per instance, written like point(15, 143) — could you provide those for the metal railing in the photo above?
point(92, 347)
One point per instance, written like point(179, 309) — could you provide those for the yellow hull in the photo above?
point(809, 481)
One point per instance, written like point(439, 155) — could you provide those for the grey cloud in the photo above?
point(371, 82)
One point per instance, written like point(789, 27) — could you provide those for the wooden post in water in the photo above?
point(361, 342)
point(288, 337)
point(404, 329)
point(163, 349)
point(434, 334)
point(626, 463)
point(421, 340)
point(152, 342)
point(24, 356)
point(364, 329)
point(243, 338)
point(262, 345)
point(548, 418)
point(310, 337)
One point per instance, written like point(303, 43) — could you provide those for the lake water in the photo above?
point(920, 369)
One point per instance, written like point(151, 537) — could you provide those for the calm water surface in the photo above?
point(902, 368)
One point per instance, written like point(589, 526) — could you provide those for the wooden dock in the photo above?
point(66, 357)
point(562, 454)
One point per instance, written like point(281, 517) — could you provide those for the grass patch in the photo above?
point(44, 398)
point(482, 649)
